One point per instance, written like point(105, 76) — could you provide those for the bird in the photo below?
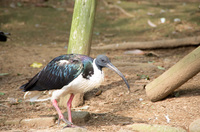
point(70, 74)
point(3, 36)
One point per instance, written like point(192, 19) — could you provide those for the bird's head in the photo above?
point(103, 61)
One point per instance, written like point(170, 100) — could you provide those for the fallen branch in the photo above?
point(118, 7)
point(188, 41)
point(4, 105)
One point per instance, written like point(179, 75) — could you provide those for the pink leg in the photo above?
point(69, 104)
point(55, 104)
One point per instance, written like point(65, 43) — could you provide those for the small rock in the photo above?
point(124, 130)
point(39, 122)
point(141, 127)
point(13, 122)
point(195, 126)
point(77, 101)
point(2, 120)
point(74, 129)
point(78, 116)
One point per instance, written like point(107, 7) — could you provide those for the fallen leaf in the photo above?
point(2, 93)
point(36, 65)
point(161, 68)
point(98, 92)
point(151, 24)
point(136, 52)
point(177, 94)
point(19, 74)
point(13, 101)
point(150, 62)
point(3, 74)
point(150, 14)
point(146, 77)
point(151, 54)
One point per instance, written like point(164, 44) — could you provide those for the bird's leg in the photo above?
point(61, 117)
point(69, 105)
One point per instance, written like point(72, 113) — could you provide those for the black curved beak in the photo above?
point(112, 67)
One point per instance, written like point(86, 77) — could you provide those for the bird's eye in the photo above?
point(103, 60)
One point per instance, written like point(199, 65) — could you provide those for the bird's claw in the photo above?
point(66, 121)
point(67, 126)
point(72, 126)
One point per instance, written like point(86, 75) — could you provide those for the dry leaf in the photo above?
point(36, 65)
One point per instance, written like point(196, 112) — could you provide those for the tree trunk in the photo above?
point(174, 77)
point(82, 27)
point(80, 37)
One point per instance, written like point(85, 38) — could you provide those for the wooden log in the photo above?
point(174, 77)
point(188, 41)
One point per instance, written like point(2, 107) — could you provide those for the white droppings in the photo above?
point(140, 99)
point(167, 117)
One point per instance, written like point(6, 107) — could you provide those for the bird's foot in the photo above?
point(66, 121)
point(72, 126)
point(69, 126)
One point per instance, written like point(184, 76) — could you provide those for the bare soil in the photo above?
point(114, 108)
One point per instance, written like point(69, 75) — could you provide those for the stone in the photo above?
point(125, 130)
point(195, 126)
point(2, 120)
point(39, 122)
point(141, 127)
point(12, 122)
point(78, 117)
point(75, 129)
point(77, 101)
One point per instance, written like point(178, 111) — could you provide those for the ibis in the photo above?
point(70, 74)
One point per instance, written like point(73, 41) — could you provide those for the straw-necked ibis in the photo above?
point(70, 74)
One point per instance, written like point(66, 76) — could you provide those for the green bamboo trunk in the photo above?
point(82, 27)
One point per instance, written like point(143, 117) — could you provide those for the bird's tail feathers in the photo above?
point(37, 96)
point(23, 87)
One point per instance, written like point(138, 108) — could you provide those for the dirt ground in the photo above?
point(114, 108)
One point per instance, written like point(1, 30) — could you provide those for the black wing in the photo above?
point(58, 73)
